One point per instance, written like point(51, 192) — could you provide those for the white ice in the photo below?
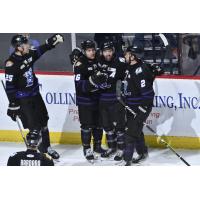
point(71, 155)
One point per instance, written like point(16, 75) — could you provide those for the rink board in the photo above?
point(175, 114)
point(74, 138)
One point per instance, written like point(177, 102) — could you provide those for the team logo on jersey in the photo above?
point(138, 70)
point(29, 77)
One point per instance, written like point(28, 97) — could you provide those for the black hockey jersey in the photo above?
point(116, 70)
point(86, 94)
point(138, 87)
point(19, 74)
point(29, 158)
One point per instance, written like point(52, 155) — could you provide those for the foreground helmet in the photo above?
point(75, 55)
point(18, 40)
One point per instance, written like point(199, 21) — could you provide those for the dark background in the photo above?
point(58, 58)
point(54, 60)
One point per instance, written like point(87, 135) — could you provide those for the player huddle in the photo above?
point(97, 74)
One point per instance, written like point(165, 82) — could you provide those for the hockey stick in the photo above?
point(17, 118)
point(118, 94)
point(196, 71)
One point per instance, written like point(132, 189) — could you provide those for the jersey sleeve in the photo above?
point(11, 81)
point(13, 160)
point(82, 83)
point(47, 162)
point(39, 51)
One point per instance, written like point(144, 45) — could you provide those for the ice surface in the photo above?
point(71, 155)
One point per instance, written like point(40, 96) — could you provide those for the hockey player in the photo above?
point(22, 88)
point(30, 157)
point(112, 113)
point(88, 81)
point(139, 97)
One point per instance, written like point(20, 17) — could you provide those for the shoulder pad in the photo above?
point(138, 70)
point(9, 63)
point(13, 154)
point(122, 59)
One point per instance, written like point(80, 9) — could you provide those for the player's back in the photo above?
point(29, 158)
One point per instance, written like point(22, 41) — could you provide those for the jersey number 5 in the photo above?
point(9, 77)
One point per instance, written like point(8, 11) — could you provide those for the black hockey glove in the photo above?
point(75, 55)
point(54, 40)
point(99, 80)
point(157, 69)
point(13, 111)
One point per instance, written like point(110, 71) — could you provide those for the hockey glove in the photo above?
point(54, 40)
point(157, 69)
point(13, 111)
point(99, 80)
point(75, 55)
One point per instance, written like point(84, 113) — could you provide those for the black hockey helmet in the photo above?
point(87, 44)
point(18, 40)
point(136, 51)
point(33, 139)
point(107, 45)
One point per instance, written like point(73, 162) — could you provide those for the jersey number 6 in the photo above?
point(77, 77)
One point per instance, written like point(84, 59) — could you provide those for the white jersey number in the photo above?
point(143, 83)
point(77, 77)
point(9, 77)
